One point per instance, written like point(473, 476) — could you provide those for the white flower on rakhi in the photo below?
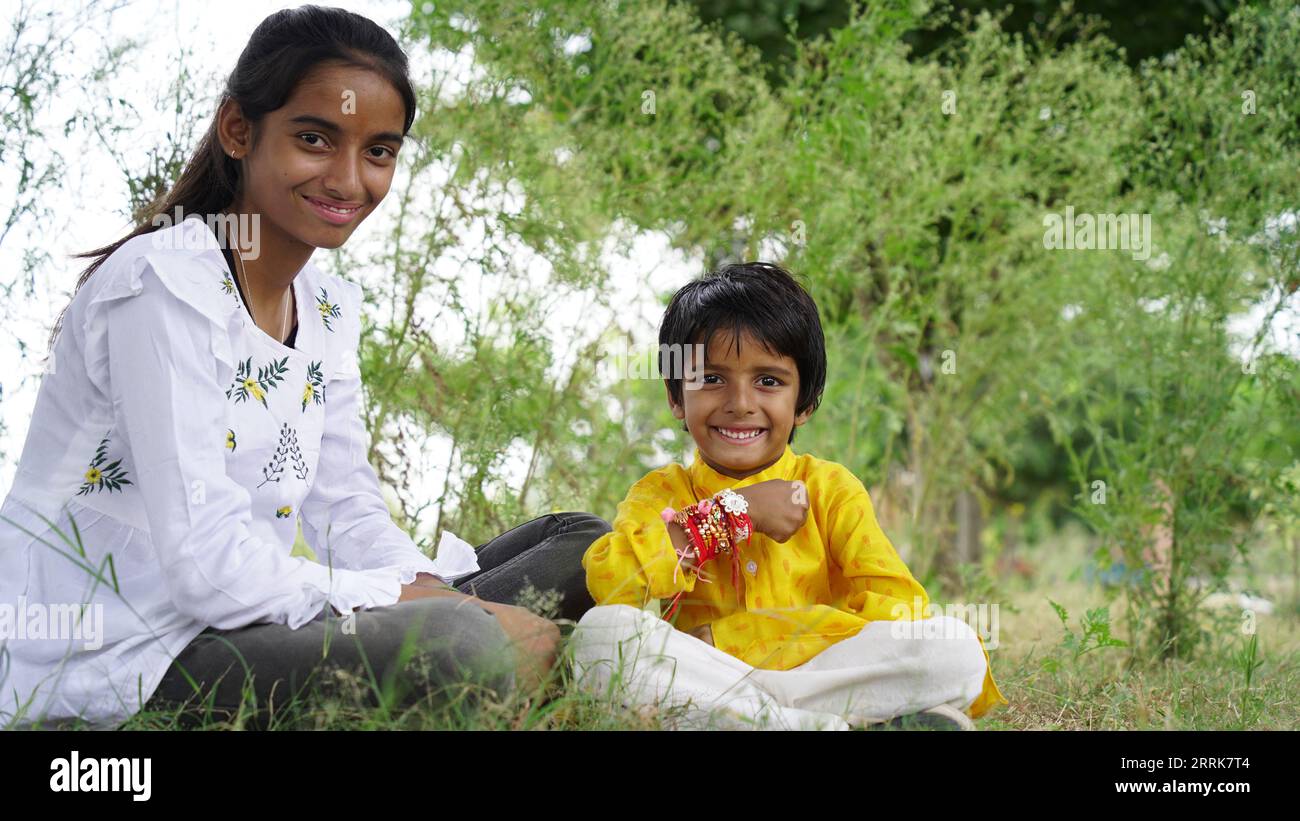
point(737, 506)
point(733, 502)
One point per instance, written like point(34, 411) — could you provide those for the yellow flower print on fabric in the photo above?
point(328, 310)
point(230, 440)
point(100, 476)
point(284, 512)
point(314, 391)
point(268, 376)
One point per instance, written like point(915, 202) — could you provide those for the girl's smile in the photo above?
point(332, 211)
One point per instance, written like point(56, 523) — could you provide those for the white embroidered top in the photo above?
point(173, 448)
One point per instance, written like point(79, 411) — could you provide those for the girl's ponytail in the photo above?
point(282, 50)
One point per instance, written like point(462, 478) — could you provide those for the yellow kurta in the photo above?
point(836, 574)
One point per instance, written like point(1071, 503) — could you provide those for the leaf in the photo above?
point(906, 354)
point(1060, 613)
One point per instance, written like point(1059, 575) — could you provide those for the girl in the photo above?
point(792, 609)
point(206, 396)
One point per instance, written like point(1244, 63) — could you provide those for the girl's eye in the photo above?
point(313, 135)
point(384, 150)
point(705, 379)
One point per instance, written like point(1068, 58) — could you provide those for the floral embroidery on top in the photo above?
point(99, 476)
point(283, 513)
point(328, 310)
point(230, 439)
point(267, 377)
point(315, 389)
point(287, 449)
point(228, 286)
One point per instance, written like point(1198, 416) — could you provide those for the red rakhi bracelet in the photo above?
point(702, 548)
point(713, 525)
point(736, 508)
point(694, 538)
point(691, 520)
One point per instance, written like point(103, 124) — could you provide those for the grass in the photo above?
point(1105, 690)
point(1237, 681)
point(346, 701)
point(1047, 688)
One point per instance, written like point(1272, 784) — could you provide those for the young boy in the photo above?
point(807, 623)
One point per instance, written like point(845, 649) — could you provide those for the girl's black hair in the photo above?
point(281, 51)
point(757, 297)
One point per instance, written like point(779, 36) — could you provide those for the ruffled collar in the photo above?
point(194, 238)
point(709, 481)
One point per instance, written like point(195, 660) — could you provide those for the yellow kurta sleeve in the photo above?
point(634, 562)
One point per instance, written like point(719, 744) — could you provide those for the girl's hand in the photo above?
point(430, 580)
point(422, 591)
point(777, 507)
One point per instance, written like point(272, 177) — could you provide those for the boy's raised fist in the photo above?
point(778, 507)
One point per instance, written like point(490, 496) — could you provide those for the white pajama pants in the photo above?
point(632, 655)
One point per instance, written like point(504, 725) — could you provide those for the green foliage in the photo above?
point(1096, 631)
point(1163, 401)
point(1143, 30)
point(1248, 662)
point(909, 193)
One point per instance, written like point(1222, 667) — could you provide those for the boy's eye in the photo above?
point(776, 382)
point(705, 379)
point(383, 149)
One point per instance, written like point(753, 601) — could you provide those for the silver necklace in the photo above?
point(239, 269)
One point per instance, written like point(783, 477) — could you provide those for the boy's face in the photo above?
point(740, 408)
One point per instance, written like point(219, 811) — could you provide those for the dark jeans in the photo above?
point(413, 649)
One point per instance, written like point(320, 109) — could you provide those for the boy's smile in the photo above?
point(740, 407)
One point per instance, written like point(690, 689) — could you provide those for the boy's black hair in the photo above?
point(758, 297)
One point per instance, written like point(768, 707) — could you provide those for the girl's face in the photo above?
point(740, 408)
point(325, 159)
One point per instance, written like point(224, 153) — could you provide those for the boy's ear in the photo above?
point(678, 411)
point(803, 417)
